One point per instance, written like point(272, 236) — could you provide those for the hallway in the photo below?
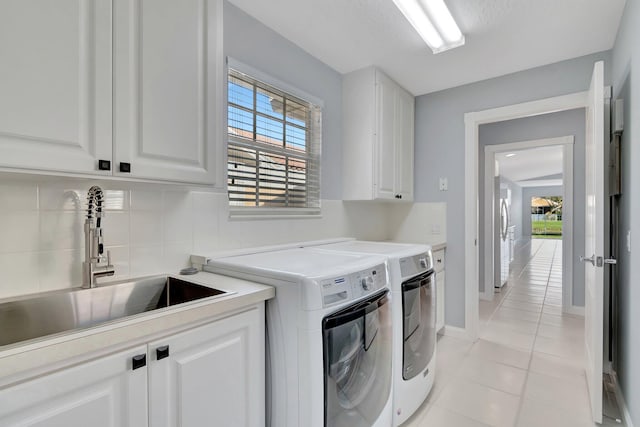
point(526, 370)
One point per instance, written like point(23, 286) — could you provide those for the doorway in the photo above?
point(546, 216)
point(514, 173)
point(595, 101)
point(473, 121)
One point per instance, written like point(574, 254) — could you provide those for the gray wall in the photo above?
point(439, 148)
point(556, 190)
point(626, 85)
point(252, 43)
point(563, 123)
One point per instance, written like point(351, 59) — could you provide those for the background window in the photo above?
point(273, 151)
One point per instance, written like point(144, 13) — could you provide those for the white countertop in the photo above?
point(437, 246)
point(38, 356)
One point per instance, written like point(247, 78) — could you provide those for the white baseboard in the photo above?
point(486, 296)
point(455, 332)
point(620, 400)
point(575, 310)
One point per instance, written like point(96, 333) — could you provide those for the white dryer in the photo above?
point(413, 287)
point(329, 336)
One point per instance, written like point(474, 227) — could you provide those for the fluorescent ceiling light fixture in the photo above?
point(433, 21)
point(510, 155)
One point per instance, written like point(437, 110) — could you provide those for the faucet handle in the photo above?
point(109, 259)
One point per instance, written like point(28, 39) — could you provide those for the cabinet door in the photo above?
point(55, 85)
point(213, 375)
point(167, 89)
point(440, 286)
point(404, 145)
point(385, 158)
point(105, 392)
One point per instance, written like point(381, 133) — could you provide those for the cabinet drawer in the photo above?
point(438, 260)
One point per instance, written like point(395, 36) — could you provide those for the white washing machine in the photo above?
point(413, 287)
point(329, 336)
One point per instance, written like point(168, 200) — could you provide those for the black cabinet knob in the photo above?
point(162, 352)
point(138, 361)
point(104, 165)
point(398, 196)
point(125, 167)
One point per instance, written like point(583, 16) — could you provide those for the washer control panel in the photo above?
point(353, 286)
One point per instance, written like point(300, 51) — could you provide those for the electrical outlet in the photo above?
point(444, 184)
point(435, 229)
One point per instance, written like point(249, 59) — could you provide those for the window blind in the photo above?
point(273, 151)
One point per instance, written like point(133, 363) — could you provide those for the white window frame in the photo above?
point(261, 212)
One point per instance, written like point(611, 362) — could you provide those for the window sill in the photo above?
point(249, 214)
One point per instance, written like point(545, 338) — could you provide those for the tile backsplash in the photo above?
point(148, 228)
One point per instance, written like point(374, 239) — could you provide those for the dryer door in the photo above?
point(357, 362)
point(419, 323)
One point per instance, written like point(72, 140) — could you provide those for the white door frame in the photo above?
point(472, 121)
point(567, 143)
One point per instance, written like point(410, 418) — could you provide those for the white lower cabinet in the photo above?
point(211, 375)
point(440, 278)
point(439, 262)
point(105, 392)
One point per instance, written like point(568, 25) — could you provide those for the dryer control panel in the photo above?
point(353, 286)
point(417, 264)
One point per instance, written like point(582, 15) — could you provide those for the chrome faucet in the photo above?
point(95, 263)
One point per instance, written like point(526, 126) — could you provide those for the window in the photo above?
point(273, 150)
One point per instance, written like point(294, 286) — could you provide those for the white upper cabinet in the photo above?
point(405, 110)
point(135, 83)
point(55, 84)
point(377, 138)
point(167, 88)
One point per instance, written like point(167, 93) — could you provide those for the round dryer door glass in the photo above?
point(357, 358)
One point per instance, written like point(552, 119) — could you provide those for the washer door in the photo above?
point(357, 362)
point(419, 323)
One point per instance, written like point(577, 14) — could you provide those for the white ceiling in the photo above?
point(531, 167)
point(502, 36)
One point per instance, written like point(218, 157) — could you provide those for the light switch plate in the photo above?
point(444, 184)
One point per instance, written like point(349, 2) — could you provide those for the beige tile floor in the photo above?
point(526, 370)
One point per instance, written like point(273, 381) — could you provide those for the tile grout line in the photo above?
point(497, 307)
point(535, 338)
